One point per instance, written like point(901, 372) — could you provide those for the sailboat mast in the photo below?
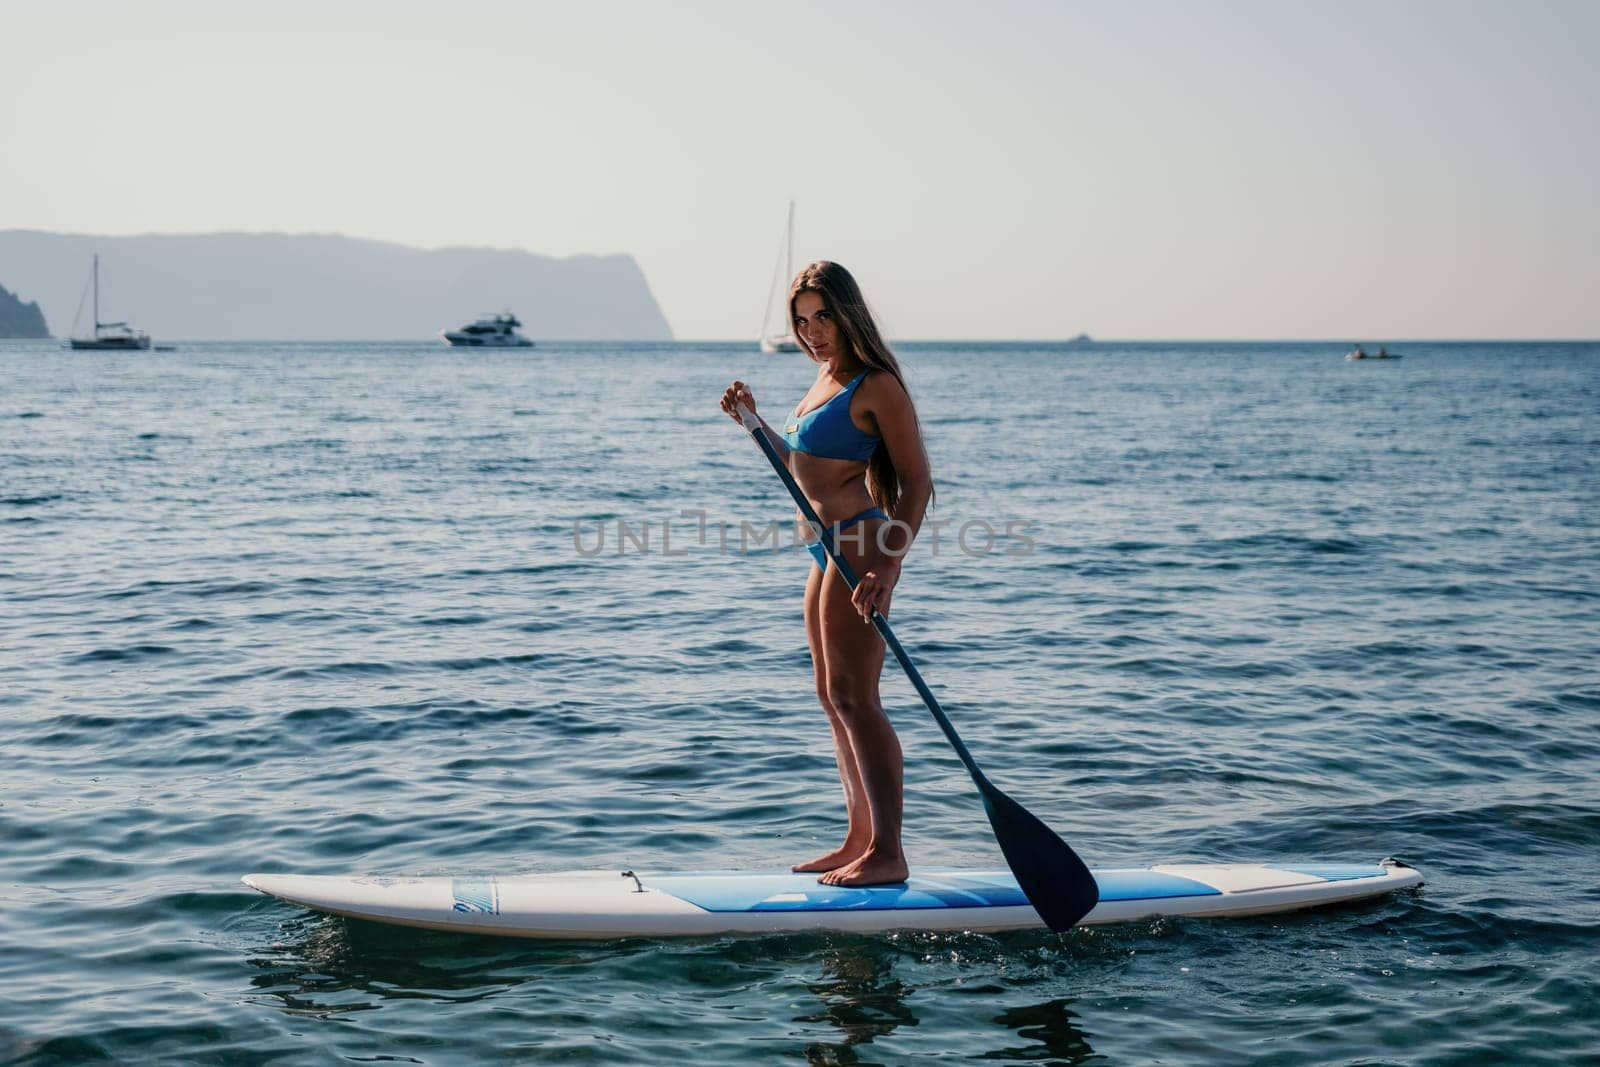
point(782, 273)
point(788, 247)
point(96, 293)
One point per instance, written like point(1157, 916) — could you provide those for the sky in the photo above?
point(1358, 170)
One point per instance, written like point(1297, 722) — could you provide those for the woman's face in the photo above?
point(814, 324)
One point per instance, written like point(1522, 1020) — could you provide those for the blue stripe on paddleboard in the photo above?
point(1138, 884)
point(1333, 872)
point(802, 892)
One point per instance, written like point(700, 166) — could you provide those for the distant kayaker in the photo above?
point(854, 445)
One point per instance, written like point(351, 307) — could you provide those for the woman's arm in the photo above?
point(890, 407)
point(887, 402)
point(739, 395)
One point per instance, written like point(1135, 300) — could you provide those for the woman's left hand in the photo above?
point(876, 588)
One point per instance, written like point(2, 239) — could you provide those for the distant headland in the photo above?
point(18, 319)
point(268, 286)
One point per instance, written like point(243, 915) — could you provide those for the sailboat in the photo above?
point(779, 336)
point(112, 336)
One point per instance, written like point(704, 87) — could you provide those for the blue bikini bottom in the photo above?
point(820, 554)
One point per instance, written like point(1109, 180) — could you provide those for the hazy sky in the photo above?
point(1362, 171)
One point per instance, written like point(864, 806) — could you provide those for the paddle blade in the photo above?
point(1056, 882)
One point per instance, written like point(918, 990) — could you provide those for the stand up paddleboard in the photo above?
point(609, 904)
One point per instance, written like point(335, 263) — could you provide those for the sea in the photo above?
point(392, 608)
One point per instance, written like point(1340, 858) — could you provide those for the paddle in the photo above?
point(1056, 882)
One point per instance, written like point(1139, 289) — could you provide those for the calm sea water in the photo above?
point(321, 608)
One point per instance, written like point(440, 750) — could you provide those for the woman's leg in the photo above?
point(858, 832)
point(852, 656)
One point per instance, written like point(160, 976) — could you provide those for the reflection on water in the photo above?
point(1054, 1036)
point(861, 997)
point(851, 992)
point(326, 967)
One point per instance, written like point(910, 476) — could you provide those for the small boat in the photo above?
point(489, 331)
point(109, 336)
point(1382, 353)
point(772, 338)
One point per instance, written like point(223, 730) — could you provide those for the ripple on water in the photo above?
point(337, 622)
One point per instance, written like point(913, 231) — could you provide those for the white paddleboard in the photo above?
point(609, 904)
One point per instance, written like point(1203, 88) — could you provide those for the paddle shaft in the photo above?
point(758, 430)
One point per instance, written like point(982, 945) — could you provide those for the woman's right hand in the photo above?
point(736, 396)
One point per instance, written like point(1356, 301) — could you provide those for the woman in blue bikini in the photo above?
point(854, 445)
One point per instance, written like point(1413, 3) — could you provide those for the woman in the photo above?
point(854, 445)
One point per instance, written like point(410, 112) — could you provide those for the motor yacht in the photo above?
point(489, 331)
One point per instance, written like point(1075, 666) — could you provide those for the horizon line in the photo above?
point(906, 341)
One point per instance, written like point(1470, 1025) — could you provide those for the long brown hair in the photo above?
point(842, 297)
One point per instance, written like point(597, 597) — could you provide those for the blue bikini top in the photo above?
point(827, 430)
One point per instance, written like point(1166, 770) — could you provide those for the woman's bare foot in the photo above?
point(845, 854)
point(874, 867)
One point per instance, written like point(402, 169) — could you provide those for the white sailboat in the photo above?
point(109, 336)
point(779, 336)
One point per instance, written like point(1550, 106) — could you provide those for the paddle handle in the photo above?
point(752, 422)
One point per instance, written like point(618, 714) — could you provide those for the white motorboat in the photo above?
point(108, 336)
point(489, 331)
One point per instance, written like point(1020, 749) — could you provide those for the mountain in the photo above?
point(18, 319)
point(244, 286)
